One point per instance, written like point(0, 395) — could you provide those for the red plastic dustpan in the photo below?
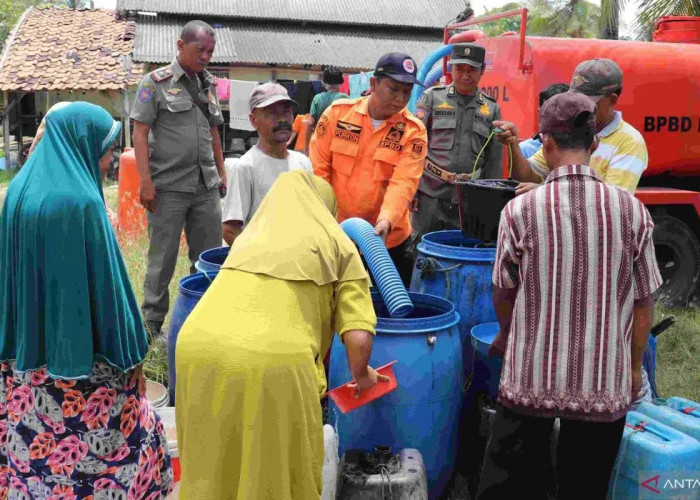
point(344, 396)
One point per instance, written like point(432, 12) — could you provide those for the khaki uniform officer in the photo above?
point(459, 121)
point(180, 163)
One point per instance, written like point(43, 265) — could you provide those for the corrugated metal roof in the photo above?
point(403, 13)
point(279, 43)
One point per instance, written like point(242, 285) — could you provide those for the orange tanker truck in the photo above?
point(660, 98)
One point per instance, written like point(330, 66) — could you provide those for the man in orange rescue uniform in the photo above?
point(371, 150)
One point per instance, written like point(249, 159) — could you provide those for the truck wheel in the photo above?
point(678, 256)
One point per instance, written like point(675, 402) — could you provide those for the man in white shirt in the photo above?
point(252, 175)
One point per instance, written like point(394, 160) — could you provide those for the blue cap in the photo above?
point(397, 65)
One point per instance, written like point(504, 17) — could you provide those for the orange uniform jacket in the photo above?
point(374, 173)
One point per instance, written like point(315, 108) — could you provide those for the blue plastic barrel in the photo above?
point(211, 260)
point(676, 414)
point(423, 412)
point(486, 373)
point(190, 290)
point(651, 454)
point(453, 266)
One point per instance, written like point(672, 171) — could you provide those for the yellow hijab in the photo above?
point(294, 235)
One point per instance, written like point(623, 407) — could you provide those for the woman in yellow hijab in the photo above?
point(249, 358)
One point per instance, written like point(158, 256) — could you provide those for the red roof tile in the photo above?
point(63, 49)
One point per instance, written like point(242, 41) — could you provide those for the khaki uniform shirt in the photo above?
point(180, 142)
point(458, 128)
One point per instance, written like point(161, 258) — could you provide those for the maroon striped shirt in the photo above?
point(580, 252)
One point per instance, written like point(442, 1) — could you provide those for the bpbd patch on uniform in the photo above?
point(394, 146)
point(394, 134)
point(392, 138)
point(348, 131)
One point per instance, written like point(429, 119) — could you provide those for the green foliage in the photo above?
point(559, 18)
point(650, 10)
point(678, 354)
point(495, 28)
point(6, 175)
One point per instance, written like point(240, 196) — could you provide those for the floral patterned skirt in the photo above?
point(79, 439)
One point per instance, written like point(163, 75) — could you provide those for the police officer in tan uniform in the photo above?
point(459, 120)
point(180, 163)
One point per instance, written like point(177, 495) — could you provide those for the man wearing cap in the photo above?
point(574, 278)
point(180, 162)
point(459, 119)
point(622, 155)
point(251, 176)
point(371, 150)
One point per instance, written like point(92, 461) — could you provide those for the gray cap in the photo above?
point(566, 112)
point(597, 78)
point(269, 93)
point(468, 53)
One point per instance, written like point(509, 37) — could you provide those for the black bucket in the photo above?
point(480, 205)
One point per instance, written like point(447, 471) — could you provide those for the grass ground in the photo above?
point(134, 253)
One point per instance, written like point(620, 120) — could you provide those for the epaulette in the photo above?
point(162, 74)
point(344, 101)
point(485, 95)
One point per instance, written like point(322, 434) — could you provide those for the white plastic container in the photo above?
point(167, 416)
point(157, 394)
point(330, 462)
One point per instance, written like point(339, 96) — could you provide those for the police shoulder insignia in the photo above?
point(451, 91)
point(162, 74)
point(145, 93)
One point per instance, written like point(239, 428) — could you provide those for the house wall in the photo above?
point(117, 102)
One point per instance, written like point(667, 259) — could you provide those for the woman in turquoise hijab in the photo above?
point(73, 409)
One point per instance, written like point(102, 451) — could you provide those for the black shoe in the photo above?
point(155, 332)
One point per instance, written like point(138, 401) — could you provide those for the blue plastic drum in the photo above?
point(211, 260)
point(486, 373)
point(458, 269)
point(191, 289)
point(423, 412)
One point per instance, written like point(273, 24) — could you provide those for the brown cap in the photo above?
point(562, 112)
point(597, 78)
point(269, 93)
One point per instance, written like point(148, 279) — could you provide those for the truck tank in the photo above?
point(660, 96)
